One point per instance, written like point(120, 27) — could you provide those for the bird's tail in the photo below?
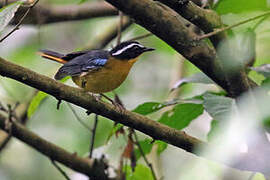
point(55, 56)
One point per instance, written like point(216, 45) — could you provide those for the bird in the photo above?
point(98, 71)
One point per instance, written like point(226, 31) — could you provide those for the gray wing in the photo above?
point(90, 61)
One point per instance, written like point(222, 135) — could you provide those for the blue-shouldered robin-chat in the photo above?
point(98, 71)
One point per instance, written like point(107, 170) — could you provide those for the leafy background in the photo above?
point(146, 91)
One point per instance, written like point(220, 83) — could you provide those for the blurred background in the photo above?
point(150, 80)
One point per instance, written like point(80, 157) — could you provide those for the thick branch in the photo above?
point(205, 19)
point(170, 27)
point(79, 97)
point(89, 167)
point(44, 14)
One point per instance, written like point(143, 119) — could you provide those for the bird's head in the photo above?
point(129, 50)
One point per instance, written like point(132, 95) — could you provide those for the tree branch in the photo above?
point(89, 167)
point(154, 16)
point(44, 14)
point(93, 135)
point(20, 21)
point(85, 100)
point(60, 170)
point(21, 113)
point(218, 31)
point(207, 20)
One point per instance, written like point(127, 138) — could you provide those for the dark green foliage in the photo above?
point(181, 115)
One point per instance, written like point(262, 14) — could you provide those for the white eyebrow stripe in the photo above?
point(127, 47)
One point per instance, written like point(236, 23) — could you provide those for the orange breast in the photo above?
point(106, 79)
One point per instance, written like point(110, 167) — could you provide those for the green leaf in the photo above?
point(7, 13)
point(161, 146)
point(151, 107)
point(146, 146)
point(114, 129)
point(104, 127)
point(266, 124)
point(195, 78)
point(263, 69)
point(148, 108)
point(181, 115)
point(239, 6)
point(266, 84)
point(141, 172)
point(219, 107)
point(214, 127)
point(35, 103)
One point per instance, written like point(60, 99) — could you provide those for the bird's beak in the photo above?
point(148, 49)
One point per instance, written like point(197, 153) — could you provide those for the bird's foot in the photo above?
point(119, 106)
point(116, 103)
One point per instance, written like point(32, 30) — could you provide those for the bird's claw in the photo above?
point(119, 107)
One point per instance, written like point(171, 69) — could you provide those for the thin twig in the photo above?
point(141, 37)
point(8, 124)
point(259, 23)
point(58, 104)
point(78, 118)
point(20, 22)
point(93, 136)
point(143, 155)
point(60, 170)
point(22, 118)
point(5, 138)
point(12, 117)
point(232, 26)
point(119, 30)
point(85, 166)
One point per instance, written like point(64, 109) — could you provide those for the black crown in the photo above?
point(129, 50)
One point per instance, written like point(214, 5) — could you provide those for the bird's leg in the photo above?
point(83, 83)
point(115, 103)
point(106, 97)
